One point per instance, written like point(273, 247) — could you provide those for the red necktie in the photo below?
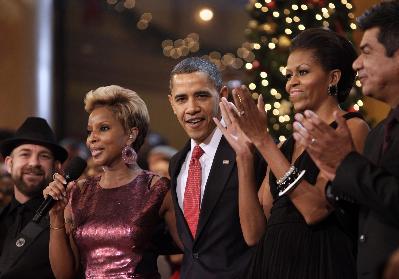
point(192, 194)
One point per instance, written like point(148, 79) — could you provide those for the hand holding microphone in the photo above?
point(56, 190)
point(56, 195)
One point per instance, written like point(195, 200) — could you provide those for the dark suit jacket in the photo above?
point(218, 250)
point(34, 262)
point(372, 181)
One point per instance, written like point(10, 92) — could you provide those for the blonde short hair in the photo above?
point(128, 107)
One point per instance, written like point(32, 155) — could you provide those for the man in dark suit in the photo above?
point(31, 157)
point(204, 178)
point(372, 179)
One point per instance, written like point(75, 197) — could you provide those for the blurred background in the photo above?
point(53, 52)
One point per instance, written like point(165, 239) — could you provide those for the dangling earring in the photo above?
point(332, 90)
point(129, 155)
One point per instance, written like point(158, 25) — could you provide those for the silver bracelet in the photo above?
point(284, 177)
point(296, 179)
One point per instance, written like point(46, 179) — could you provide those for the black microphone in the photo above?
point(73, 170)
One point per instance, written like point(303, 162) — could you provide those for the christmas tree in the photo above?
point(273, 24)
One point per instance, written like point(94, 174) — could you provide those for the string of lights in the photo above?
point(273, 24)
point(182, 47)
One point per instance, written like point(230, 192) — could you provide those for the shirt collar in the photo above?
point(31, 205)
point(210, 144)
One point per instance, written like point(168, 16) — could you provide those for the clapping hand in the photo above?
point(232, 131)
point(325, 145)
point(252, 117)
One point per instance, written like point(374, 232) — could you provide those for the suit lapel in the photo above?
point(221, 169)
point(176, 164)
point(388, 158)
point(174, 173)
point(375, 145)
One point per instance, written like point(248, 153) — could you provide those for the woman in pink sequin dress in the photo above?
point(110, 220)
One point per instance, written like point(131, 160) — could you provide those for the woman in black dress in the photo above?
point(299, 233)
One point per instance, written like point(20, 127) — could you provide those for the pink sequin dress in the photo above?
point(114, 227)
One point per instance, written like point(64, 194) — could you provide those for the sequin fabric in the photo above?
point(114, 227)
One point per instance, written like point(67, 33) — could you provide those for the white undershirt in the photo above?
point(209, 146)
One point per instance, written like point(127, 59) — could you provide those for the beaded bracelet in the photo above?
point(286, 175)
point(290, 182)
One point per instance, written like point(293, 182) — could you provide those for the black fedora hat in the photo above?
point(34, 130)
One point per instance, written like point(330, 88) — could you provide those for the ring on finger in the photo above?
point(54, 175)
point(241, 113)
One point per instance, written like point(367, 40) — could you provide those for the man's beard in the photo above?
point(31, 190)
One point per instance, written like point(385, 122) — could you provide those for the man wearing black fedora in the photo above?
point(31, 158)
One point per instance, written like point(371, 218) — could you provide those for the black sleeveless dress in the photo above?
point(292, 249)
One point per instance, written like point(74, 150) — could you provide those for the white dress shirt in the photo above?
point(209, 146)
